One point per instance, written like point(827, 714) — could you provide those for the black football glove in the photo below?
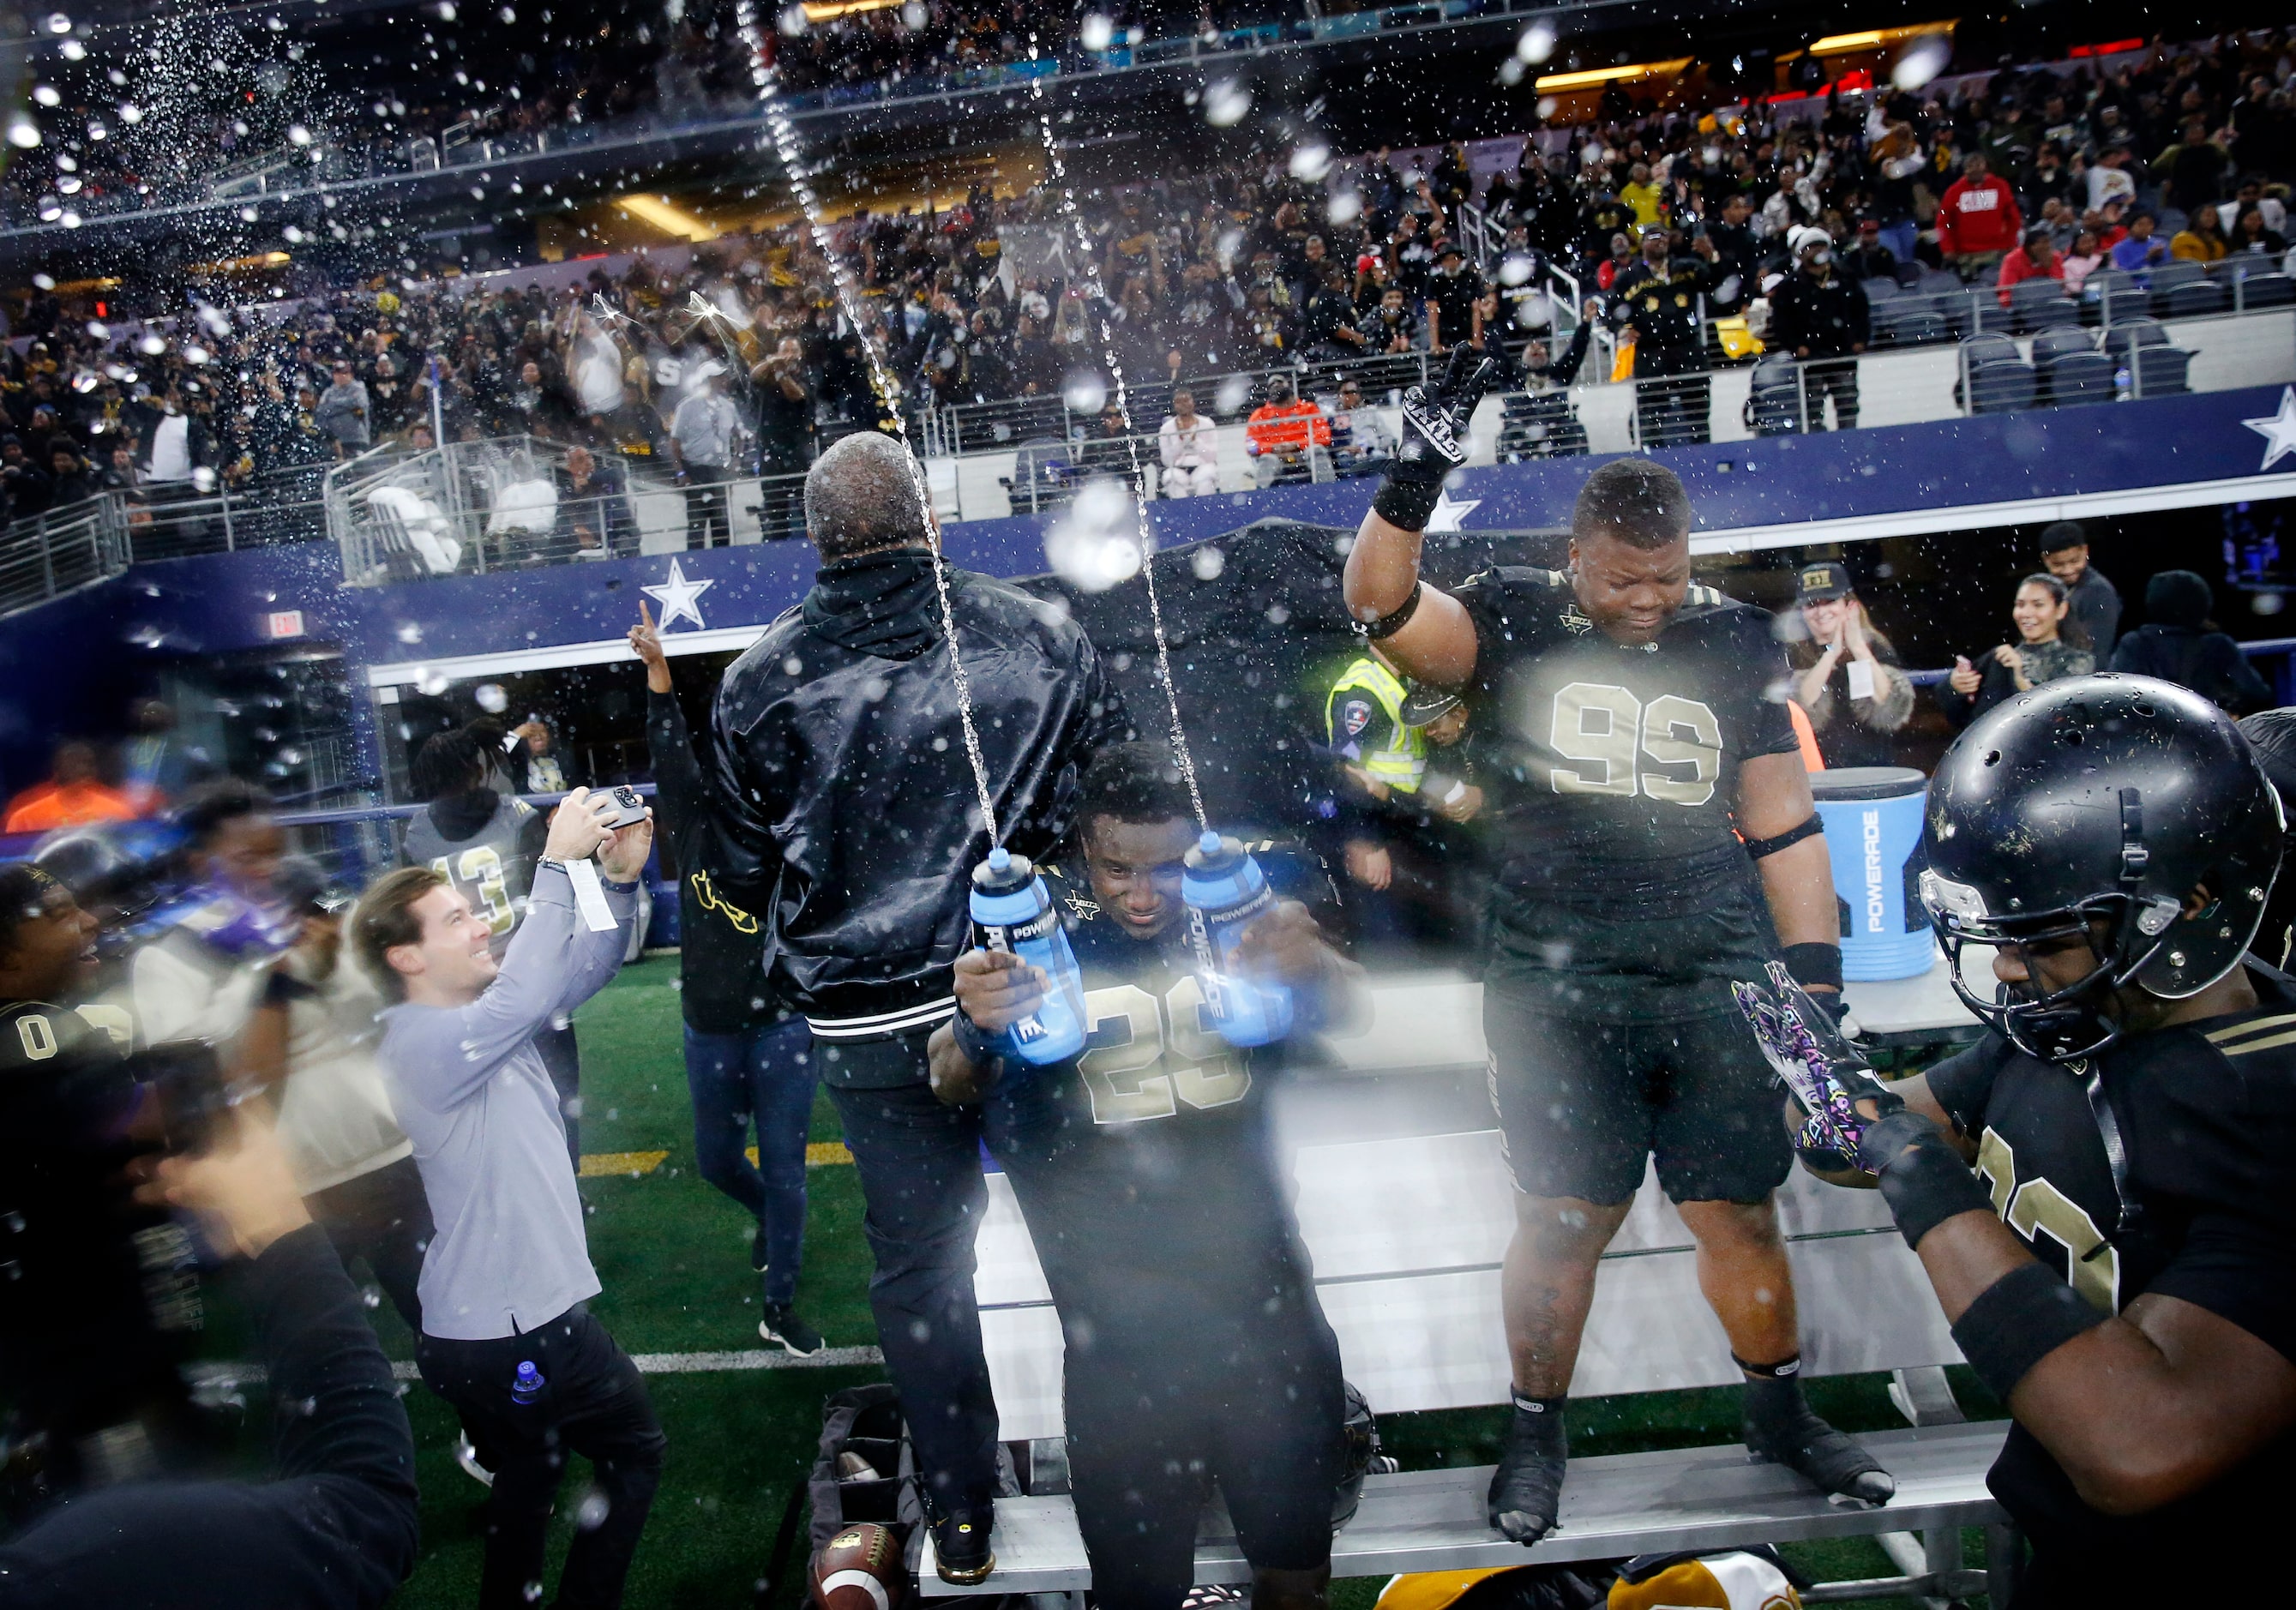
point(1435, 423)
point(1434, 440)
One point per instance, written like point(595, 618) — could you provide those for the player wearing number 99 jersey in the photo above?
point(1196, 1348)
point(1633, 727)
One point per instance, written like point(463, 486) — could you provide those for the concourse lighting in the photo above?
point(1878, 39)
point(1592, 76)
point(663, 216)
point(828, 11)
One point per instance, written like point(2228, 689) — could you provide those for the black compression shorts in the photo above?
point(1581, 1103)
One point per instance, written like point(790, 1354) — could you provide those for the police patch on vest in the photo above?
point(1355, 716)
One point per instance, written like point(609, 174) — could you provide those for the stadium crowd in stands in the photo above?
point(2176, 153)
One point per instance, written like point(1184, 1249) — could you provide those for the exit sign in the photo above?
point(283, 623)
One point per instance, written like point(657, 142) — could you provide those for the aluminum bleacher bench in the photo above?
point(1405, 1202)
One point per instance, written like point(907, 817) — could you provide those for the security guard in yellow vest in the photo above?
point(1382, 727)
point(1363, 721)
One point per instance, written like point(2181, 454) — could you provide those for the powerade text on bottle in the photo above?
point(1012, 913)
point(1225, 892)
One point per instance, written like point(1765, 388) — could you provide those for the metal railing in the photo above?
point(65, 549)
point(508, 504)
point(1935, 308)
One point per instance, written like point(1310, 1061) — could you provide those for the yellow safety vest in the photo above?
point(1369, 695)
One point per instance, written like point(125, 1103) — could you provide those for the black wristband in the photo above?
point(2019, 1320)
point(981, 1047)
point(1407, 505)
point(1923, 1180)
point(1811, 966)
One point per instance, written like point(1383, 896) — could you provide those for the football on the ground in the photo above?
point(861, 1568)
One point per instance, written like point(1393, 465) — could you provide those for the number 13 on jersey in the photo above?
point(1613, 744)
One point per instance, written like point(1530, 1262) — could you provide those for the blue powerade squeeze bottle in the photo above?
point(1225, 892)
point(1012, 913)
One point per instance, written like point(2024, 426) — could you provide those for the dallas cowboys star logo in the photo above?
point(1450, 511)
point(2278, 430)
point(678, 597)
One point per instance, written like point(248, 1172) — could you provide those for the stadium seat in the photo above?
point(2161, 372)
point(412, 534)
point(2167, 277)
point(1958, 311)
point(1997, 376)
point(2201, 297)
point(2050, 345)
point(2039, 305)
point(2254, 287)
point(1880, 291)
point(1916, 325)
point(2076, 377)
point(1773, 397)
point(2123, 335)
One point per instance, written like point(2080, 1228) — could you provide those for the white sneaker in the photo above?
point(466, 1455)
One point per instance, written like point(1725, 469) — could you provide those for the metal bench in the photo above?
point(1407, 1228)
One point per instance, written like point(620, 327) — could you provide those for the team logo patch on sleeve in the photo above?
point(1355, 716)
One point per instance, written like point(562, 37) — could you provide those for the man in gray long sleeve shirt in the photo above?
point(505, 1337)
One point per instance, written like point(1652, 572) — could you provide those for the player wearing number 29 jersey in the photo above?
point(1196, 1348)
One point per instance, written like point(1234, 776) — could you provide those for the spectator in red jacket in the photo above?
point(2036, 260)
point(1977, 222)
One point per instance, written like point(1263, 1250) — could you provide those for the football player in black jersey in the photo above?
point(1196, 1348)
point(2120, 1270)
point(97, 1294)
point(1654, 837)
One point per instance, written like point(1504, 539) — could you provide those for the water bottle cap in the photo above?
point(999, 859)
point(526, 1370)
point(1209, 843)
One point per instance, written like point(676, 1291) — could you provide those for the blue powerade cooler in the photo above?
point(1873, 817)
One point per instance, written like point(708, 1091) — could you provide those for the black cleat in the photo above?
point(960, 1547)
point(1527, 1488)
point(1782, 1429)
point(781, 1323)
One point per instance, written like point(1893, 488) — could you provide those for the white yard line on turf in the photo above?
point(232, 1374)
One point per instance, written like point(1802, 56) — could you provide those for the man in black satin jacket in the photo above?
point(840, 764)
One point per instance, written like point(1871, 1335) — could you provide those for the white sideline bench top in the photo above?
point(1621, 1504)
point(1434, 1019)
point(1406, 1236)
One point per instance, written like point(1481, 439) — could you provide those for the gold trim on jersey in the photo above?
point(2222, 1038)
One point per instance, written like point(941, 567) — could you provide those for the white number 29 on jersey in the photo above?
point(1606, 733)
point(1126, 1070)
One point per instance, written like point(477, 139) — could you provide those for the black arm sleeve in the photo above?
point(336, 1531)
point(678, 798)
point(1564, 370)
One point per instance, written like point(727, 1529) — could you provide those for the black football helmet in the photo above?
point(2094, 800)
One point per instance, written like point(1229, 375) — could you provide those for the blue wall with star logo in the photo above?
point(72, 665)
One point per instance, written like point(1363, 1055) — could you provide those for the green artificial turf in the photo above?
point(673, 1254)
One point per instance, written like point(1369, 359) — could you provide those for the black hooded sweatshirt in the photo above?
point(839, 765)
